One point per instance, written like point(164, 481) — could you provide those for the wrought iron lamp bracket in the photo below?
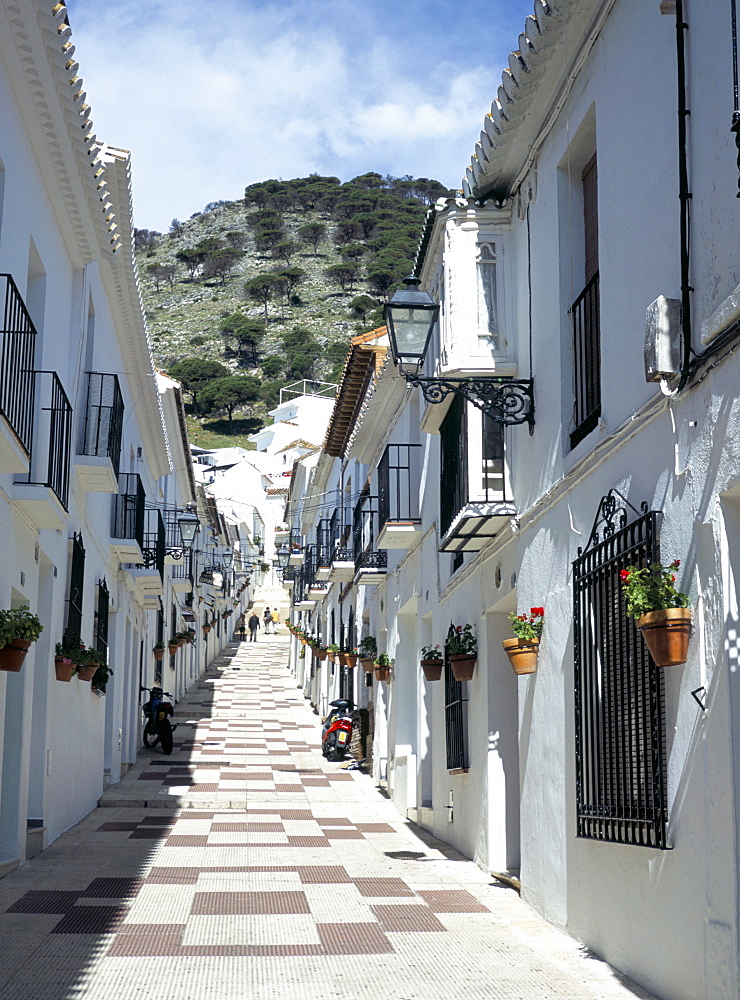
point(507, 401)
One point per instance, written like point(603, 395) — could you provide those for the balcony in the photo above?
point(323, 550)
point(474, 505)
point(127, 532)
point(399, 475)
point(296, 549)
point(44, 493)
point(100, 448)
point(148, 576)
point(371, 562)
point(342, 559)
point(17, 349)
point(182, 573)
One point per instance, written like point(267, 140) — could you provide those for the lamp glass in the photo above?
point(189, 525)
point(410, 316)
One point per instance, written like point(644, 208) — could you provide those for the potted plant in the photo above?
point(523, 649)
point(351, 654)
point(660, 611)
point(173, 644)
point(88, 661)
point(368, 650)
point(432, 662)
point(64, 665)
point(158, 651)
point(18, 629)
point(190, 635)
point(321, 652)
point(462, 650)
point(332, 649)
point(382, 664)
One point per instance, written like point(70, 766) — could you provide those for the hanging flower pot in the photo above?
point(172, 648)
point(63, 668)
point(351, 660)
point(462, 665)
point(158, 653)
point(383, 664)
point(206, 629)
point(13, 655)
point(522, 654)
point(367, 663)
point(432, 669)
point(382, 673)
point(666, 634)
point(342, 657)
point(86, 671)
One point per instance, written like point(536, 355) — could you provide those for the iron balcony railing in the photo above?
point(296, 541)
point(154, 540)
point(184, 569)
point(17, 349)
point(101, 436)
point(365, 532)
point(51, 441)
point(309, 565)
point(323, 543)
point(399, 475)
point(340, 537)
point(128, 511)
point(585, 321)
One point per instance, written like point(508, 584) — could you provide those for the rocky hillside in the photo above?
point(274, 286)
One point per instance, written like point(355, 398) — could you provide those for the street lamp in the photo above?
point(283, 555)
point(188, 523)
point(410, 316)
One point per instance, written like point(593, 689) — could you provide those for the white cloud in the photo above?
point(212, 97)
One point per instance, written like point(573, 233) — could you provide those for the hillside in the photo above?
point(273, 287)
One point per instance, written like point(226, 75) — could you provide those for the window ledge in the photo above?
point(459, 770)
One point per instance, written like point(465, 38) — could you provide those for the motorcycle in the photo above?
point(337, 730)
point(158, 727)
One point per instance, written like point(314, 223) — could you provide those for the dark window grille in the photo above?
point(309, 565)
point(51, 445)
point(332, 629)
point(456, 722)
point(398, 483)
point(128, 512)
point(154, 540)
point(76, 588)
point(17, 349)
point(454, 463)
point(340, 540)
point(619, 701)
point(323, 542)
point(100, 681)
point(103, 418)
point(585, 318)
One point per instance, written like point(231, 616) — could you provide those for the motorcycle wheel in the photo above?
point(327, 747)
point(150, 734)
point(164, 729)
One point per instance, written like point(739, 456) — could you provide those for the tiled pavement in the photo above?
point(244, 865)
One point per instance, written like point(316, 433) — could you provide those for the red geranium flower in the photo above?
point(624, 574)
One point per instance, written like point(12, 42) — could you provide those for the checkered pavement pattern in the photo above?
point(246, 865)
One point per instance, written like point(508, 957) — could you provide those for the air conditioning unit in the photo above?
point(662, 339)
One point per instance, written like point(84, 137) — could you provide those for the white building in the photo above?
point(94, 459)
point(612, 786)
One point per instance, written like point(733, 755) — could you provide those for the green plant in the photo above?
point(158, 645)
point(333, 648)
point(431, 652)
point(101, 677)
point(19, 623)
point(383, 660)
point(86, 657)
point(529, 626)
point(368, 646)
point(461, 641)
point(652, 588)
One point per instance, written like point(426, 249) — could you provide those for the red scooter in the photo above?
point(337, 731)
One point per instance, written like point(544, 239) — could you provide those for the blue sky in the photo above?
point(212, 96)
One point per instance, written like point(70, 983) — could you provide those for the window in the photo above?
point(488, 322)
point(585, 319)
point(456, 719)
point(100, 640)
point(76, 584)
point(619, 731)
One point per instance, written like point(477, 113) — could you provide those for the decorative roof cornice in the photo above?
point(557, 38)
point(40, 34)
point(364, 361)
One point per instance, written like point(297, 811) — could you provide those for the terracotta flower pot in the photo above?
point(158, 654)
point(86, 671)
point(342, 657)
point(382, 673)
point(432, 669)
point(367, 664)
point(172, 648)
point(522, 654)
point(321, 654)
point(13, 655)
point(463, 666)
point(330, 656)
point(206, 629)
point(667, 635)
point(63, 668)
point(351, 659)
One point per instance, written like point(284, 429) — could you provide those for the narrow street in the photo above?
point(244, 865)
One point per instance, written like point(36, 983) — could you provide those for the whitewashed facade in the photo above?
point(611, 786)
point(94, 459)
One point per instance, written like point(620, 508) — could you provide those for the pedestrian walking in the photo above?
point(275, 620)
point(267, 621)
point(254, 624)
point(242, 628)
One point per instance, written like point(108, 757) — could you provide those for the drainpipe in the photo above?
point(684, 195)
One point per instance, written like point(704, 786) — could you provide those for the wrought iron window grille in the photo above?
point(619, 700)
point(456, 716)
